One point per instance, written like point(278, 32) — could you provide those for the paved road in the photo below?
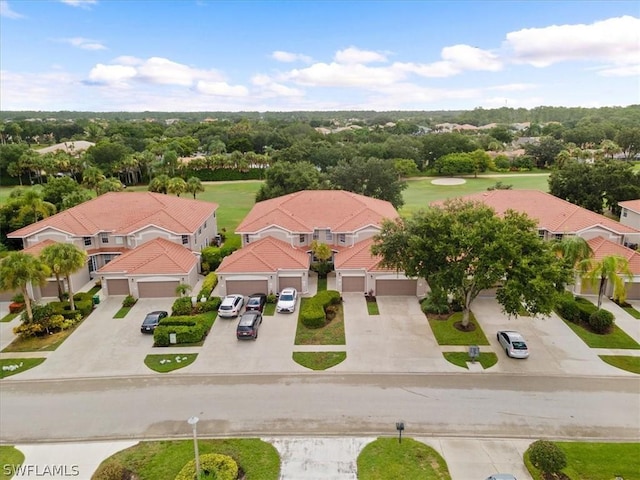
point(496, 405)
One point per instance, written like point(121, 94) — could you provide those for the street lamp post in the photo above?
point(193, 421)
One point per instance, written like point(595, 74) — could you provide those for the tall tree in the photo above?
point(18, 270)
point(159, 184)
point(64, 259)
point(194, 186)
point(612, 269)
point(92, 177)
point(464, 248)
point(284, 178)
point(176, 186)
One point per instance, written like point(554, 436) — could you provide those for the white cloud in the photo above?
point(221, 89)
point(289, 57)
point(353, 55)
point(340, 75)
point(7, 12)
point(268, 88)
point(514, 87)
point(115, 75)
point(84, 43)
point(456, 59)
point(614, 41)
point(624, 71)
point(80, 3)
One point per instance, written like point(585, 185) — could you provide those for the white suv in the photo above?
point(231, 306)
point(287, 300)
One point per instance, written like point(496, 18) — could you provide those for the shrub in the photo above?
point(567, 308)
point(271, 298)
point(208, 284)
point(586, 308)
point(322, 268)
point(111, 470)
point(210, 305)
point(327, 297)
point(181, 306)
point(212, 465)
point(601, 321)
point(547, 457)
point(436, 303)
point(312, 314)
point(18, 298)
point(212, 257)
point(187, 329)
point(129, 301)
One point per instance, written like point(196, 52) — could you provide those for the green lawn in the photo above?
point(616, 339)
point(623, 362)
point(632, 311)
point(122, 312)
point(169, 362)
point(40, 344)
point(319, 360)
point(330, 334)
point(598, 461)
point(14, 366)
point(9, 456)
point(460, 359)
point(8, 317)
point(447, 334)
point(387, 458)
point(164, 459)
point(372, 308)
point(269, 310)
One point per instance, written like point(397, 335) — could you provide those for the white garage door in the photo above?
point(290, 282)
point(50, 289)
point(118, 286)
point(157, 289)
point(246, 287)
point(353, 284)
point(396, 287)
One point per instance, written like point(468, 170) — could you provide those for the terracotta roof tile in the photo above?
point(602, 248)
point(36, 249)
point(359, 256)
point(124, 213)
point(304, 211)
point(633, 205)
point(157, 257)
point(551, 213)
point(265, 256)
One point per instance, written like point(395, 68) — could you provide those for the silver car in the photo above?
point(287, 300)
point(501, 476)
point(513, 344)
point(231, 306)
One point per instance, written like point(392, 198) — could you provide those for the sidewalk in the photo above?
point(314, 458)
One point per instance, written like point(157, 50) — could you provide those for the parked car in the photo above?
point(501, 476)
point(256, 302)
point(152, 320)
point(513, 344)
point(231, 306)
point(287, 300)
point(248, 325)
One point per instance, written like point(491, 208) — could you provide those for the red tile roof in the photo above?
point(36, 249)
point(157, 257)
point(265, 256)
point(602, 248)
point(304, 211)
point(551, 213)
point(125, 213)
point(633, 205)
point(359, 256)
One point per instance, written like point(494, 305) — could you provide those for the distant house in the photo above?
point(138, 243)
point(276, 245)
point(72, 148)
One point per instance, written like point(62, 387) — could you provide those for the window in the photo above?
point(205, 224)
point(624, 213)
point(104, 238)
point(329, 235)
point(185, 239)
point(342, 238)
point(87, 241)
point(541, 234)
point(303, 238)
point(316, 235)
point(119, 241)
point(558, 236)
point(246, 238)
point(199, 230)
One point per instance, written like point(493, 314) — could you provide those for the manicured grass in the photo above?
point(158, 460)
point(330, 334)
point(8, 317)
point(319, 360)
point(597, 461)
point(122, 312)
point(41, 344)
point(235, 199)
point(616, 339)
point(623, 362)
point(269, 310)
point(421, 192)
point(447, 334)
point(322, 284)
point(95, 289)
point(22, 364)
point(632, 311)
point(386, 458)
point(460, 359)
point(10, 456)
point(372, 308)
point(169, 362)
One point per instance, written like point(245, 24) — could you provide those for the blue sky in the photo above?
point(211, 55)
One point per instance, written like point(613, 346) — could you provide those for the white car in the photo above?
point(287, 300)
point(231, 306)
point(513, 344)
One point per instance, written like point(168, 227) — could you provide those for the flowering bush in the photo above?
point(16, 307)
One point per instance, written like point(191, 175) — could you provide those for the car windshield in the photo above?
point(287, 298)
point(518, 345)
point(254, 301)
point(151, 319)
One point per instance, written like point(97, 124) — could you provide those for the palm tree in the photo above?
point(159, 183)
point(65, 259)
point(110, 184)
point(575, 251)
point(92, 177)
point(49, 258)
point(614, 269)
point(177, 186)
point(18, 270)
point(34, 205)
point(194, 186)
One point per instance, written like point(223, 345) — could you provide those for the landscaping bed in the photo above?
point(319, 360)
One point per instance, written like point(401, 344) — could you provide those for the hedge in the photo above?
point(601, 321)
point(312, 313)
point(191, 329)
point(212, 465)
point(208, 284)
point(224, 174)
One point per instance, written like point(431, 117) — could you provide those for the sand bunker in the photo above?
point(448, 181)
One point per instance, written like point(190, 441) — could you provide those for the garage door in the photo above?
point(246, 287)
point(157, 289)
point(396, 287)
point(6, 296)
point(288, 282)
point(118, 286)
point(633, 291)
point(50, 289)
point(353, 284)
